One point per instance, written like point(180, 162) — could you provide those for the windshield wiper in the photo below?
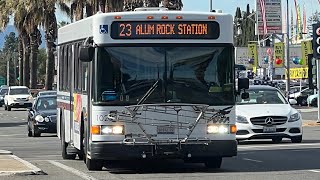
point(149, 92)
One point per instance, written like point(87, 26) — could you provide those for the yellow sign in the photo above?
point(253, 54)
point(306, 48)
point(278, 54)
point(77, 105)
point(298, 73)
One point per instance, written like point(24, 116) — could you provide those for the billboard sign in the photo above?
point(273, 16)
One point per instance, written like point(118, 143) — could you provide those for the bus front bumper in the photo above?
point(112, 151)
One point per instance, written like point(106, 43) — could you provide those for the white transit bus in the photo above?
point(147, 85)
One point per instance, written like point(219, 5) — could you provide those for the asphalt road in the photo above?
point(255, 160)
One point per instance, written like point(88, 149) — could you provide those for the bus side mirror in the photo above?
point(243, 83)
point(86, 53)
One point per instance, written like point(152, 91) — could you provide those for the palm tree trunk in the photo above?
point(26, 56)
point(35, 37)
point(20, 51)
point(50, 39)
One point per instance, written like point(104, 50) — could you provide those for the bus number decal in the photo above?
point(126, 30)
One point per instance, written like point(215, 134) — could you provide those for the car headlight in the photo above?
point(217, 129)
point(46, 119)
point(30, 97)
point(39, 118)
point(1, 97)
point(112, 130)
point(241, 119)
point(294, 117)
point(11, 99)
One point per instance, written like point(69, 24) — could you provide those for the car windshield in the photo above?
point(263, 96)
point(197, 75)
point(46, 93)
point(16, 91)
point(47, 103)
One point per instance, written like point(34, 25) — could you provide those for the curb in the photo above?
point(33, 169)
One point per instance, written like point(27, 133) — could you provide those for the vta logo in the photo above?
point(103, 29)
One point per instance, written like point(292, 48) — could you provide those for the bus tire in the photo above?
point(64, 145)
point(214, 162)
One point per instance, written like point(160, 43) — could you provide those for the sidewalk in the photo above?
point(12, 165)
point(310, 123)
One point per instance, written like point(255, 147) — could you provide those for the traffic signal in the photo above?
point(312, 71)
point(316, 40)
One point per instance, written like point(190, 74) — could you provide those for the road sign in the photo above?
point(306, 48)
point(279, 54)
point(273, 16)
point(298, 73)
point(316, 40)
point(253, 54)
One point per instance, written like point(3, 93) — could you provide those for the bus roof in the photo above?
point(90, 26)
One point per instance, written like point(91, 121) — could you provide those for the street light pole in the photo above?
point(287, 53)
point(210, 5)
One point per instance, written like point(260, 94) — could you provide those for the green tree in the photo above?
point(9, 53)
point(41, 64)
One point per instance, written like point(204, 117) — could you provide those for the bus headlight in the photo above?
point(39, 118)
point(217, 129)
point(112, 130)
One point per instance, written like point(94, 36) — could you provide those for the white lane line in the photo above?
point(23, 119)
point(253, 160)
point(9, 135)
point(32, 167)
point(279, 145)
point(72, 170)
point(15, 117)
point(316, 171)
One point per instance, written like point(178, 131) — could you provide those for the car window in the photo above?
point(19, 91)
point(48, 103)
point(262, 96)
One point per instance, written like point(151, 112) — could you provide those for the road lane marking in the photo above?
point(23, 119)
point(253, 160)
point(9, 135)
point(316, 171)
point(280, 145)
point(72, 170)
point(15, 117)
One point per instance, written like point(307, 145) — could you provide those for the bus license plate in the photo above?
point(270, 129)
point(165, 130)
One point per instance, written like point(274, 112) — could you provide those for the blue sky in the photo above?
point(229, 6)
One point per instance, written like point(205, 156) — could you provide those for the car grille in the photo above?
point(21, 99)
point(276, 120)
point(261, 130)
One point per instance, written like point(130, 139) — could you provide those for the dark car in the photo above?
point(42, 117)
point(3, 92)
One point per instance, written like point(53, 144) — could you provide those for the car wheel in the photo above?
point(36, 133)
point(277, 139)
point(29, 131)
point(304, 102)
point(5, 107)
point(93, 164)
point(213, 162)
point(296, 139)
point(9, 108)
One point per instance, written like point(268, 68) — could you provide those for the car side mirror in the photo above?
point(293, 101)
point(86, 53)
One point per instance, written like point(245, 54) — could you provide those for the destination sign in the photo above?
point(165, 30)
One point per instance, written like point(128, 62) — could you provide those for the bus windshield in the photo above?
point(149, 75)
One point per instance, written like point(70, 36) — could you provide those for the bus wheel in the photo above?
point(94, 165)
point(213, 162)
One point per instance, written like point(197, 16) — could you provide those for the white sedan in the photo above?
point(266, 114)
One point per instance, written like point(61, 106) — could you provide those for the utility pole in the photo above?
point(8, 69)
point(210, 5)
point(287, 53)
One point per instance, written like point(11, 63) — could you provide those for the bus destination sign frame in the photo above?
point(165, 30)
